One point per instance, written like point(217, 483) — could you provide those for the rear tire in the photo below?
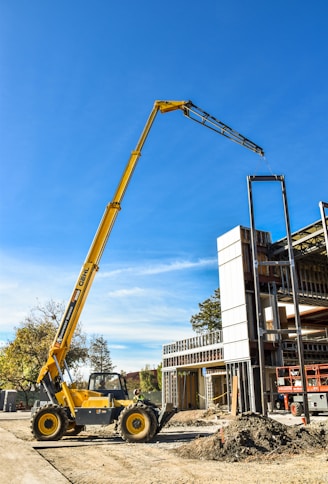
point(49, 422)
point(296, 409)
point(137, 423)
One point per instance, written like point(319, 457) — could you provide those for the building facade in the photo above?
point(199, 372)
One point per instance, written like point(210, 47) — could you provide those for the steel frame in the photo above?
point(290, 263)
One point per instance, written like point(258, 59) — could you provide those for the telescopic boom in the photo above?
point(57, 353)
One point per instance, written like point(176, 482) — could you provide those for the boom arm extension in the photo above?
point(61, 344)
point(202, 117)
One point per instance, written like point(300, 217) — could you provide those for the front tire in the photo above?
point(137, 423)
point(50, 422)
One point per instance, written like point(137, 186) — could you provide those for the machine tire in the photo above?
point(296, 409)
point(278, 405)
point(50, 422)
point(137, 423)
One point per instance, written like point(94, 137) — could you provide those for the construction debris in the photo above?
point(252, 437)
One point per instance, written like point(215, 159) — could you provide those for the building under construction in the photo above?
point(274, 303)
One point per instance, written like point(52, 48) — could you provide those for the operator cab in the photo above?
point(109, 383)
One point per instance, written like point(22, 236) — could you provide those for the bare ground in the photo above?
point(196, 446)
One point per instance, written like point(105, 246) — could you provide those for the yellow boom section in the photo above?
point(61, 343)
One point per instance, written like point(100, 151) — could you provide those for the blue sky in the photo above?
point(78, 81)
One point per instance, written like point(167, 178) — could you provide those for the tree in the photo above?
point(99, 355)
point(160, 376)
point(53, 312)
point(209, 316)
point(132, 380)
point(148, 380)
point(22, 358)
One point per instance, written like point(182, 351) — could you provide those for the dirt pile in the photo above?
point(251, 437)
point(195, 418)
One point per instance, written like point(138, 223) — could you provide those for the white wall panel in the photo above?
point(230, 252)
point(228, 238)
point(232, 284)
point(239, 350)
point(234, 316)
point(236, 332)
point(233, 296)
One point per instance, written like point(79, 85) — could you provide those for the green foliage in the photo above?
point(209, 316)
point(99, 355)
point(22, 358)
point(159, 376)
point(148, 380)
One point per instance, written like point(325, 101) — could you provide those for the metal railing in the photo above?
point(194, 343)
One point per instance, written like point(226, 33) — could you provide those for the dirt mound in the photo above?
point(252, 436)
point(197, 418)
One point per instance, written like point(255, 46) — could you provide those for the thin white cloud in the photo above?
point(149, 333)
point(160, 268)
point(178, 266)
point(122, 293)
point(118, 347)
point(24, 284)
point(140, 307)
point(114, 273)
